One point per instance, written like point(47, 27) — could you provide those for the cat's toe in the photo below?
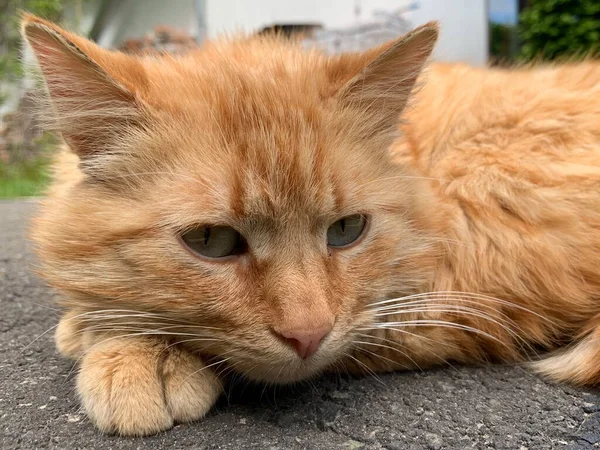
point(191, 389)
point(120, 387)
point(68, 336)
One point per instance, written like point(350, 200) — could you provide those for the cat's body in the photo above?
point(477, 229)
point(513, 157)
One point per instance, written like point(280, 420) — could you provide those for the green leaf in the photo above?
point(555, 29)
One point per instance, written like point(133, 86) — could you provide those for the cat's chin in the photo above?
point(286, 372)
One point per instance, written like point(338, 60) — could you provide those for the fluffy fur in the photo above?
point(483, 241)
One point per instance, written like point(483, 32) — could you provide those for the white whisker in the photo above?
point(390, 348)
point(457, 295)
point(390, 363)
point(365, 367)
point(462, 310)
point(430, 323)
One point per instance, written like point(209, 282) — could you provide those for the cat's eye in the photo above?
point(346, 230)
point(214, 242)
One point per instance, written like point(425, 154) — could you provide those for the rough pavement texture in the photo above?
point(455, 408)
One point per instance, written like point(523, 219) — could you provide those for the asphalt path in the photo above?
point(451, 408)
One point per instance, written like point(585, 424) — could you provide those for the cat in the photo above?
point(270, 210)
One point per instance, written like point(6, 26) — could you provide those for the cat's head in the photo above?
point(245, 190)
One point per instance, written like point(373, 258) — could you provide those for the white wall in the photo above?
point(464, 23)
point(464, 28)
point(239, 15)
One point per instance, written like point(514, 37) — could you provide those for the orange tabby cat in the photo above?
point(252, 207)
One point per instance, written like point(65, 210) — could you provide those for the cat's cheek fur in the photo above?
point(141, 385)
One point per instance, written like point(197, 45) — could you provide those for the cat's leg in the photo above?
point(579, 364)
point(140, 385)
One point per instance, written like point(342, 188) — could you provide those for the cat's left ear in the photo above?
point(386, 76)
point(96, 94)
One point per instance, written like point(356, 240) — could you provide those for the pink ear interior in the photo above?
point(91, 108)
point(383, 87)
point(53, 55)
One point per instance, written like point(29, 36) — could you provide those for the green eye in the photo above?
point(345, 231)
point(214, 242)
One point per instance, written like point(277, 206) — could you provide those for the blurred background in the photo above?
point(478, 32)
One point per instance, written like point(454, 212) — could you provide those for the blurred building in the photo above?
point(464, 23)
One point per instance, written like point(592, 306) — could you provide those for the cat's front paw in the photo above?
point(139, 385)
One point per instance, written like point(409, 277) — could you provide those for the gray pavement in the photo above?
point(455, 408)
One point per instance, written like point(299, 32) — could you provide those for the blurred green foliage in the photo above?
point(10, 40)
point(23, 163)
point(22, 177)
point(503, 43)
point(559, 29)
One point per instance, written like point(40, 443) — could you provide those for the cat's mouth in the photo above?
point(282, 372)
point(282, 365)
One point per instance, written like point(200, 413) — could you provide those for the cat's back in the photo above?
point(522, 139)
point(515, 156)
point(531, 115)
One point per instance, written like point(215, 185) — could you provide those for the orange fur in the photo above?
point(484, 214)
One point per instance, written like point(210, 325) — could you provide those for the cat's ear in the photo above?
point(95, 93)
point(383, 78)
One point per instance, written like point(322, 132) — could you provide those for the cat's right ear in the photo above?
point(377, 83)
point(95, 94)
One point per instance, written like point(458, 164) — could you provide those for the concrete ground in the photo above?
point(453, 408)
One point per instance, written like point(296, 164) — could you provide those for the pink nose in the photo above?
point(305, 342)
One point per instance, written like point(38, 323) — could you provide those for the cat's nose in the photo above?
point(305, 342)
